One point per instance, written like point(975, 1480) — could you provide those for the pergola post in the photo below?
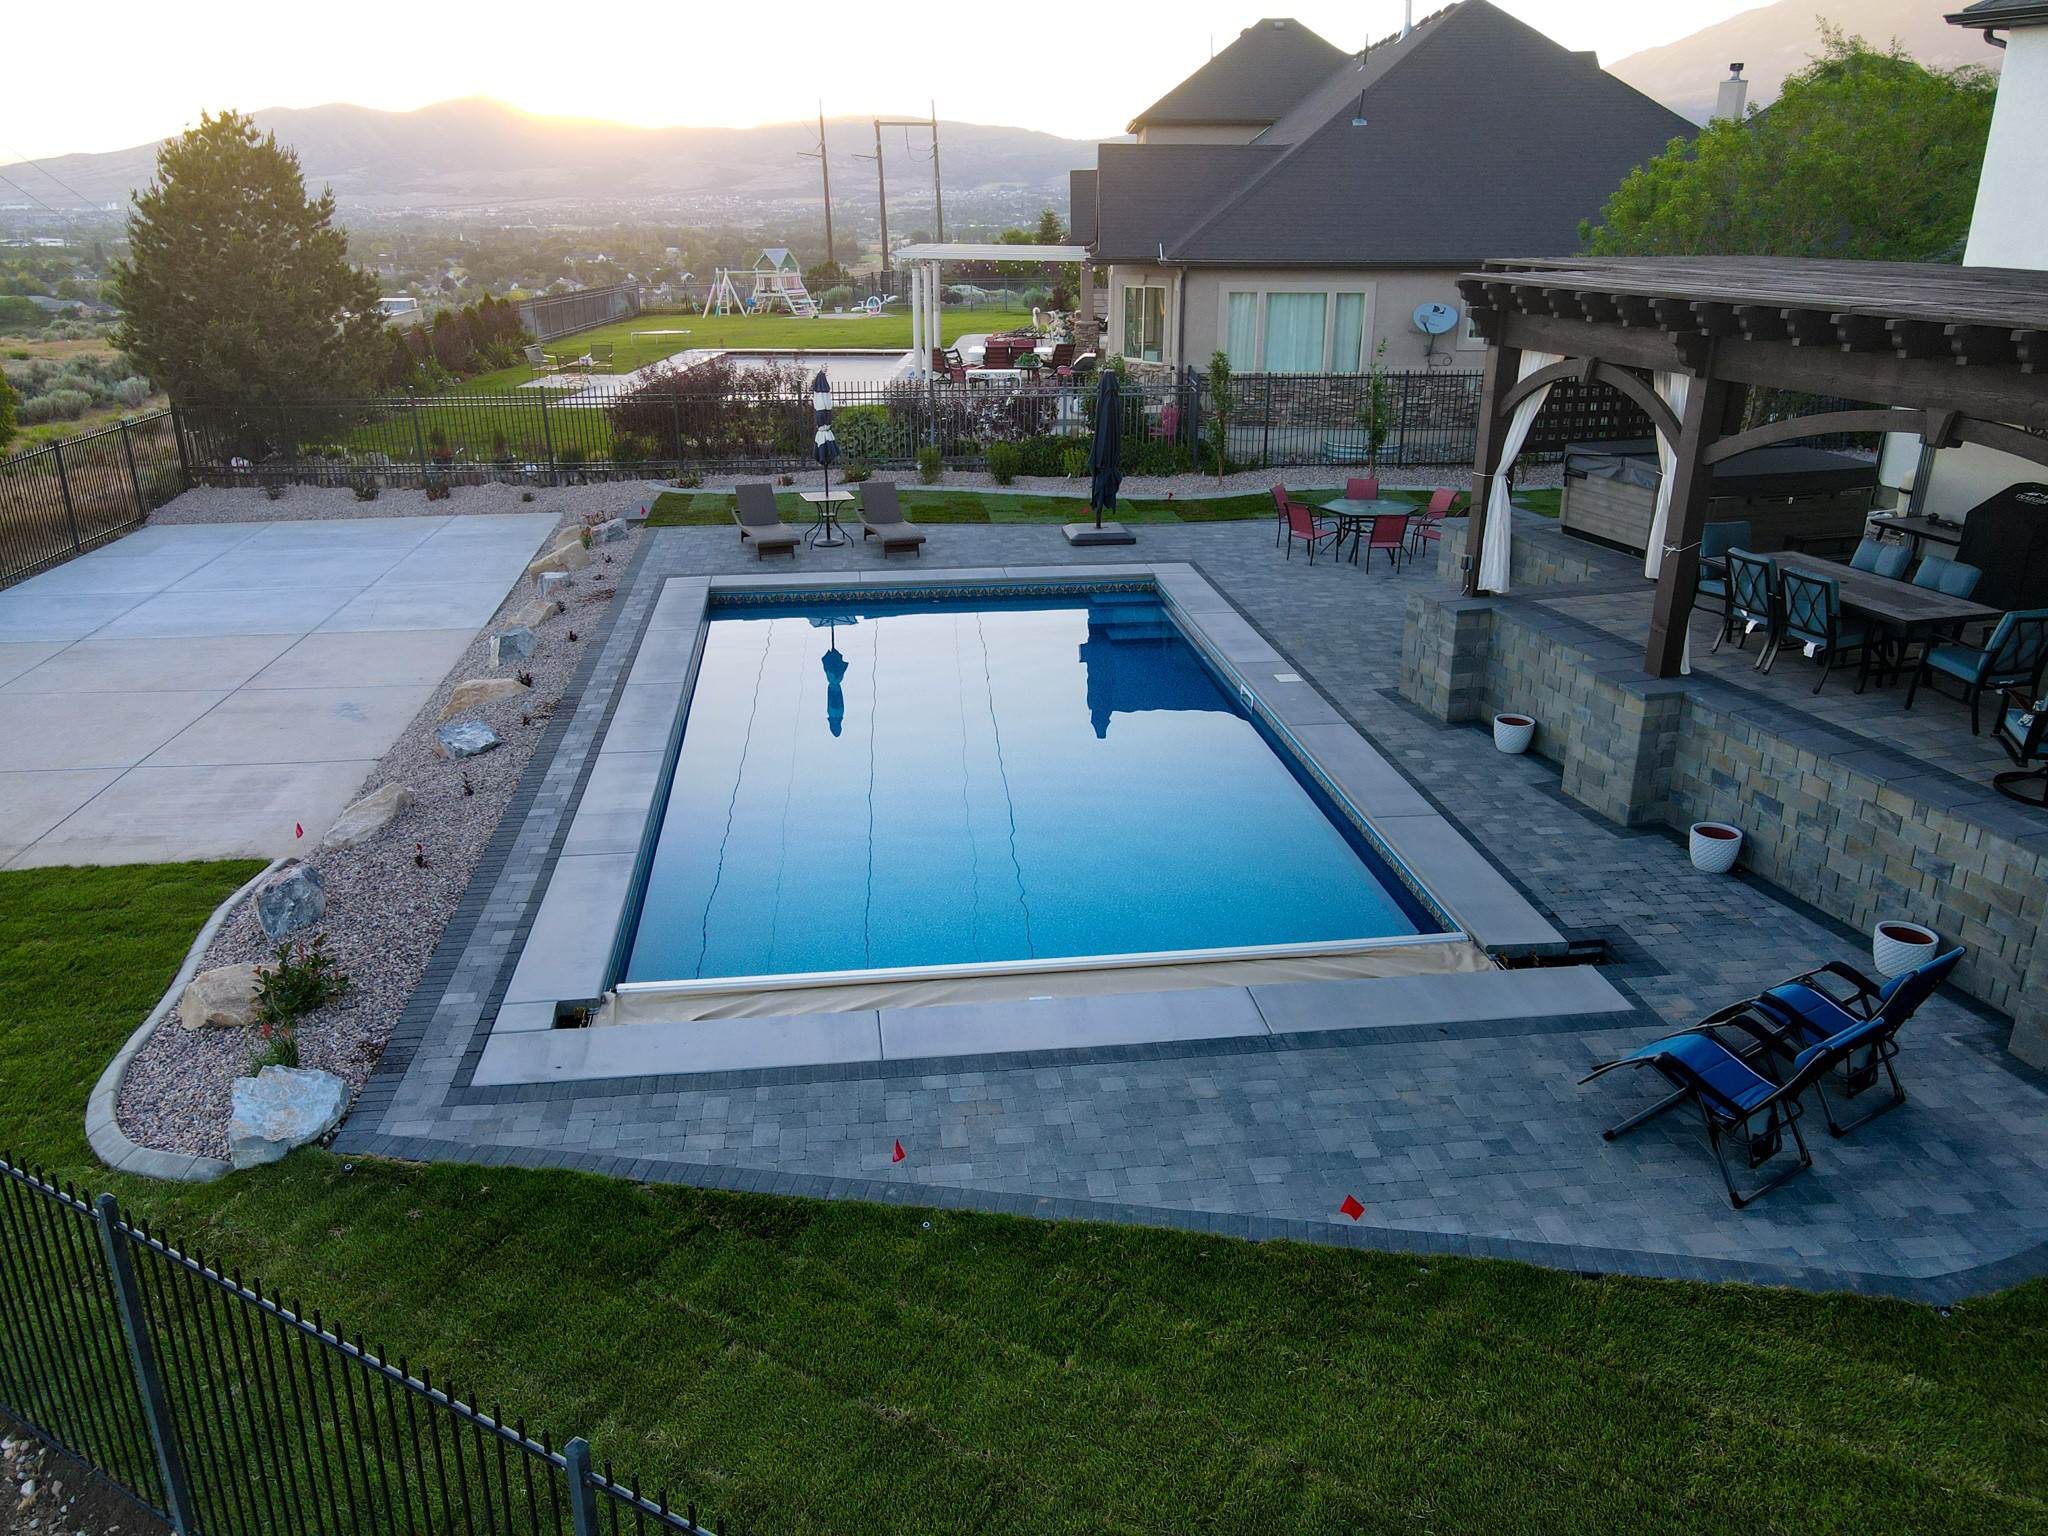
point(920, 358)
point(934, 295)
point(1496, 377)
point(1706, 411)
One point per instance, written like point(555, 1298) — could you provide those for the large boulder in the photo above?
point(369, 816)
point(510, 645)
point(293, 898)
point(222, 998)
point(476, 692)
point(551, 583)
point(536, 613)
point(281, 1108)
point(464, 738)
point(563, 557)
point(610, 532)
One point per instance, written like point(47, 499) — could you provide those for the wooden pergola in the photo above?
point(1957, 354)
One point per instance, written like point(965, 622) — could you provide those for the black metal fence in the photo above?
point(762, 422)
point(228, 1413)
point(62, 500)
point(559, 314)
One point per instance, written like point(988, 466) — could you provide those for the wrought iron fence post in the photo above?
point(547, 435)
point(1266, 444)
point(582, 1497)
point(419, 441)
point(128, 449)
point(156, 1406)
point(184, 459)
point(64, 485)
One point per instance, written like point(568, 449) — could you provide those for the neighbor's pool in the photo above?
point(942, 782)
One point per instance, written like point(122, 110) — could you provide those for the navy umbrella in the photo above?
point(825, 449)
point(1105, 454)
point(835, 669)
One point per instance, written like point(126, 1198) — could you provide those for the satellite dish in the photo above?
point(1435, 319)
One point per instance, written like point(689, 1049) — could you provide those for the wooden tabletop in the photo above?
point(1897, 603)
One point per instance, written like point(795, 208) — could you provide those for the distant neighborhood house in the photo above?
point(1291, 204)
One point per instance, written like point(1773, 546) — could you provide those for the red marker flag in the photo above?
point(1351, 1207)
point(897, 1155)
point(298, 830)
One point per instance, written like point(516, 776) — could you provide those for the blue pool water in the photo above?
point(937, 783)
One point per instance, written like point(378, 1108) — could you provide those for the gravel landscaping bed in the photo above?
point(388, 899)
point(305, 503)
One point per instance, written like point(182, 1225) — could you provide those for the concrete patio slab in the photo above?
point(200, 691)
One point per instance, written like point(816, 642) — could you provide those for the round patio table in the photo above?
point(1354, 515)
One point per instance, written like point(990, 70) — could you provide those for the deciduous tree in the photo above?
point(1866, 154)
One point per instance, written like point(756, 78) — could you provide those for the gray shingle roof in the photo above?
point(1481, 136)
point(1251, 82)
point(1081, 207)
point(2001, 13)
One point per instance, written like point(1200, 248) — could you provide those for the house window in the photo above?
point(1347, 336)
point(1145, 323)
point(1294, 332)
point(1241, 331)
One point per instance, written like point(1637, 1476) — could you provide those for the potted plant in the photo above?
point(1513, 733)
point(1898, 947)
point(1714, 845)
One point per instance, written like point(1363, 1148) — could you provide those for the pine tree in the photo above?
point(237, 290)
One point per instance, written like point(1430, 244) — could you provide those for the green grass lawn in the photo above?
point(812, 1367)
point(891, 331)
point(680, 509)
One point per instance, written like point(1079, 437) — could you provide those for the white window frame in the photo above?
point(1329, 287)
point(1124, 319)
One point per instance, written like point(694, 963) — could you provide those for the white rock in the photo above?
point(281, 1108)
point(563, 557)
point(476, 692)
point(510, 645)
point(369, 816)
point(609, 533)
point(223, 998)
point(552, 582)
point(293, 898)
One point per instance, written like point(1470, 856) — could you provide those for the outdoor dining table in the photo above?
point(1919, 529)
point(1907, 611)
point(825, 531)
point(1355, 515)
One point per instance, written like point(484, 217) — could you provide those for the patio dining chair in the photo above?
point(1960, 579)
point(599, 357)
point(2013, 657)
point(1389, 533)
point(2022, 729)
point(1752, 602)
point(539, 361)
point(1932, 570)
point(1428, 528)
point(1804, 1011)
point(1279, 514)
point(1366, 489)
point(1303, 524)
point(1881, 556)
point(1810, 614)
point(1710, 579)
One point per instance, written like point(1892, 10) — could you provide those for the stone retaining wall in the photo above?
point(1533, 559)
point(1859, 831)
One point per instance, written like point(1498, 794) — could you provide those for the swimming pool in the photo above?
point(910, 780)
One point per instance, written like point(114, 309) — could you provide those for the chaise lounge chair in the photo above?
point(881, 517)
point(1801, 1012)
point(753, 508)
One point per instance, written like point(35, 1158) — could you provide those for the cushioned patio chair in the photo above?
point(2022, 729)
point(881, 517)
point(1931, 571)
point(1752, 601)
point(1737, 1103)
point(1882, 557)
point(1810, 613)
point(2012, 658)
point(753, 508)
point(1960, 580)
point(1803, 1011)
point(1710, 580)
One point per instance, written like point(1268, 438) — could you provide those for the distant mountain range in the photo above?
point(1777, 40)
point(477, 156)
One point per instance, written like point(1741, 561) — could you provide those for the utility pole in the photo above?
point(938, 193)
point(881, 194)
point(824, 170)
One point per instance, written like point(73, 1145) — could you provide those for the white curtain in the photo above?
point(1294, 332)
point(1500, 513)
point(1241, 332)
point(1347, 334)
point(1673, 387)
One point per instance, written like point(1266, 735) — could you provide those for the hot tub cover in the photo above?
point(1761, 472)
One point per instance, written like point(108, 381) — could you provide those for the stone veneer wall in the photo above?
point(1858, 831)
point(1533, 559)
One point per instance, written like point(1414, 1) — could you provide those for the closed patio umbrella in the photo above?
point(825, 448)
point(1105, 454)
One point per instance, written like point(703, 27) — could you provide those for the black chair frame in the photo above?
point(2030, 747)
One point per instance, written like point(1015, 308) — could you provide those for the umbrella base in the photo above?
point(1108, 533)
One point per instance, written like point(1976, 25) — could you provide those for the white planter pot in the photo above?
point(1898, 947)
point(1513, 733)
point(1714, 846)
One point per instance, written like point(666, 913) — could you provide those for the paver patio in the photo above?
point(1467, 1138)
point(199, 691)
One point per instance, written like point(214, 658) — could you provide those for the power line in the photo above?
point(24, 191)
point(24, 159)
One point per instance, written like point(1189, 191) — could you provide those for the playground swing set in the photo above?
point(774, 279)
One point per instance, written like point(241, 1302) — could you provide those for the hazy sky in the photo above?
point(138, 70)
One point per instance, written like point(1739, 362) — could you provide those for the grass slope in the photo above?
point(813, 1367)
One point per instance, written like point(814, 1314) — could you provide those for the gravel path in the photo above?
point(385, 910)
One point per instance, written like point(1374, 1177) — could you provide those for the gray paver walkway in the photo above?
point(199, 691)
point(1469, 1138)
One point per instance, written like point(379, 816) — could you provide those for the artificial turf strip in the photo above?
point(808, 1366)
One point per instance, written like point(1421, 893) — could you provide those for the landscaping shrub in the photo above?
point(631, 448)
point(1074, 462)
point(870, 435)
point(1045, 456)
point(300, 979)
point(718, 412)
point(1155, 456)
point(836, 298)
point(930, 465)
point(1005, 461)
point(57, 405)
